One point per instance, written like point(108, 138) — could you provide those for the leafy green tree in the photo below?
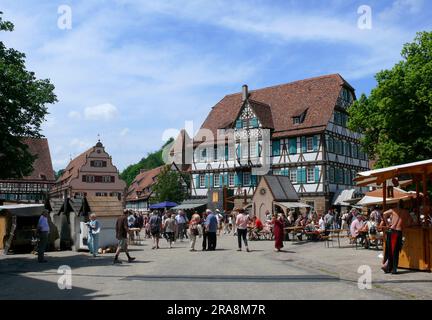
point(23, 100)
point(396, 118)
point(170, 185)
point(153, 160)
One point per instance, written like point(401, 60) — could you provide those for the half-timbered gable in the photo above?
point(306, 122)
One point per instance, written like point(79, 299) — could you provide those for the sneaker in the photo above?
point(247, 249)
point(131, 259)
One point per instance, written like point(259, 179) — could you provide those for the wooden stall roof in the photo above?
point(105, 206)
point(378, 176)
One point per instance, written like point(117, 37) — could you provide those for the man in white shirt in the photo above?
point(181, 225)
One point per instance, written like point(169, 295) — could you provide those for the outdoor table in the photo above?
point(293, 230)
point(337, 233)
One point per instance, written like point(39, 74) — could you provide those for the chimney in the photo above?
point(245, 93)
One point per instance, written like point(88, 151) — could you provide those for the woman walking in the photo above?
point(278, 229)
point(242, 222)
point(170, 227)
point(194, 230)
point(93, 235)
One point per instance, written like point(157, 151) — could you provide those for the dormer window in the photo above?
point(300, 118)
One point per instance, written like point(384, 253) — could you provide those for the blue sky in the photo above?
point(129, 70)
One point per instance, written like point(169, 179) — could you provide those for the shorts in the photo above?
point(170, 236)
point(155, 233)
point(122, 243)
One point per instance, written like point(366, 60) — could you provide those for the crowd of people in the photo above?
point(362, 227)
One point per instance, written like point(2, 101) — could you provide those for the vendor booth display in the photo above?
point(416, 252)
point(72, 221)
point(18, 227)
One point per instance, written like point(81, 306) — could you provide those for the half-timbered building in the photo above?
point(297, 130)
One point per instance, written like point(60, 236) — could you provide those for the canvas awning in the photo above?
point(23, 210)
point(342, 197)
point(290, 205)
point(163, 205)
point(189, 206)
point(374, 197)
point(378, 176)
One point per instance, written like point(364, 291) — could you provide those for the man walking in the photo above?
point(181, 225)
point(155, 228)
point(121, 235)
point(211, 225)
point(43, 231)
point(400, 219)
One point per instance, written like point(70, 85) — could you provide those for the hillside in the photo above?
point(152, 160)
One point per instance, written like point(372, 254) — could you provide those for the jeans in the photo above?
point(43, 241)
point(242, 233)
point(93, 243)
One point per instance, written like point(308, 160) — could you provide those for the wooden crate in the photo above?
point(415, 253)
point(2, 231)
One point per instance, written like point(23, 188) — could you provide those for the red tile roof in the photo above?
point(316, 95)
point(143, 180)
point(74, 165)
point(42, 167)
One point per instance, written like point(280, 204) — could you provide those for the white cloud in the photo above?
point(124, 132)
point(80, 145)
point(105, 111)
point(74, 115)
point(402, 8)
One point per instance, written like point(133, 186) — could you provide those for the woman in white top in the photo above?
point(242, 221)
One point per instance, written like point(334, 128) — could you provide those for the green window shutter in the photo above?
point(258, 149)
point(238, 124)
point(211, 181)
point(342, 151)
point(286, 172)
point(253, 179)
point(330, 144)
point(236, 179)
point(206, 181)
point(317, 174)
point(254, 123)
point(276, 148)
point(240, 178)
point(197, 181)
point(299, 174)
point(238, 151)
point(315, 143)
point(221, 179)
point(226, 152)
point(304, 175)
point(292, 143)
point(303, 144)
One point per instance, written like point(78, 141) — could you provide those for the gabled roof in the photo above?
point(42, 167)
point(316, 95)
point(104, 206)
point(143, 180)
point(281, 188)
point(74, 165)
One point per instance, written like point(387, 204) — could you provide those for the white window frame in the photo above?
point(309, 140)
point(231, 179)
point(202, 178)
point(216, 180)
point(253, 150)
point(90, 179)
point(293, 175)
point(308, 172)
point(244, 150)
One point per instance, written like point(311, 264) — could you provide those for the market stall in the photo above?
point(18, 223)
point(416, 252)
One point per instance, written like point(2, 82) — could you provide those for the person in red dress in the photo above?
point(278, 229)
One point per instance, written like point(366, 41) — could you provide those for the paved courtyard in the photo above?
point(304, 271)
